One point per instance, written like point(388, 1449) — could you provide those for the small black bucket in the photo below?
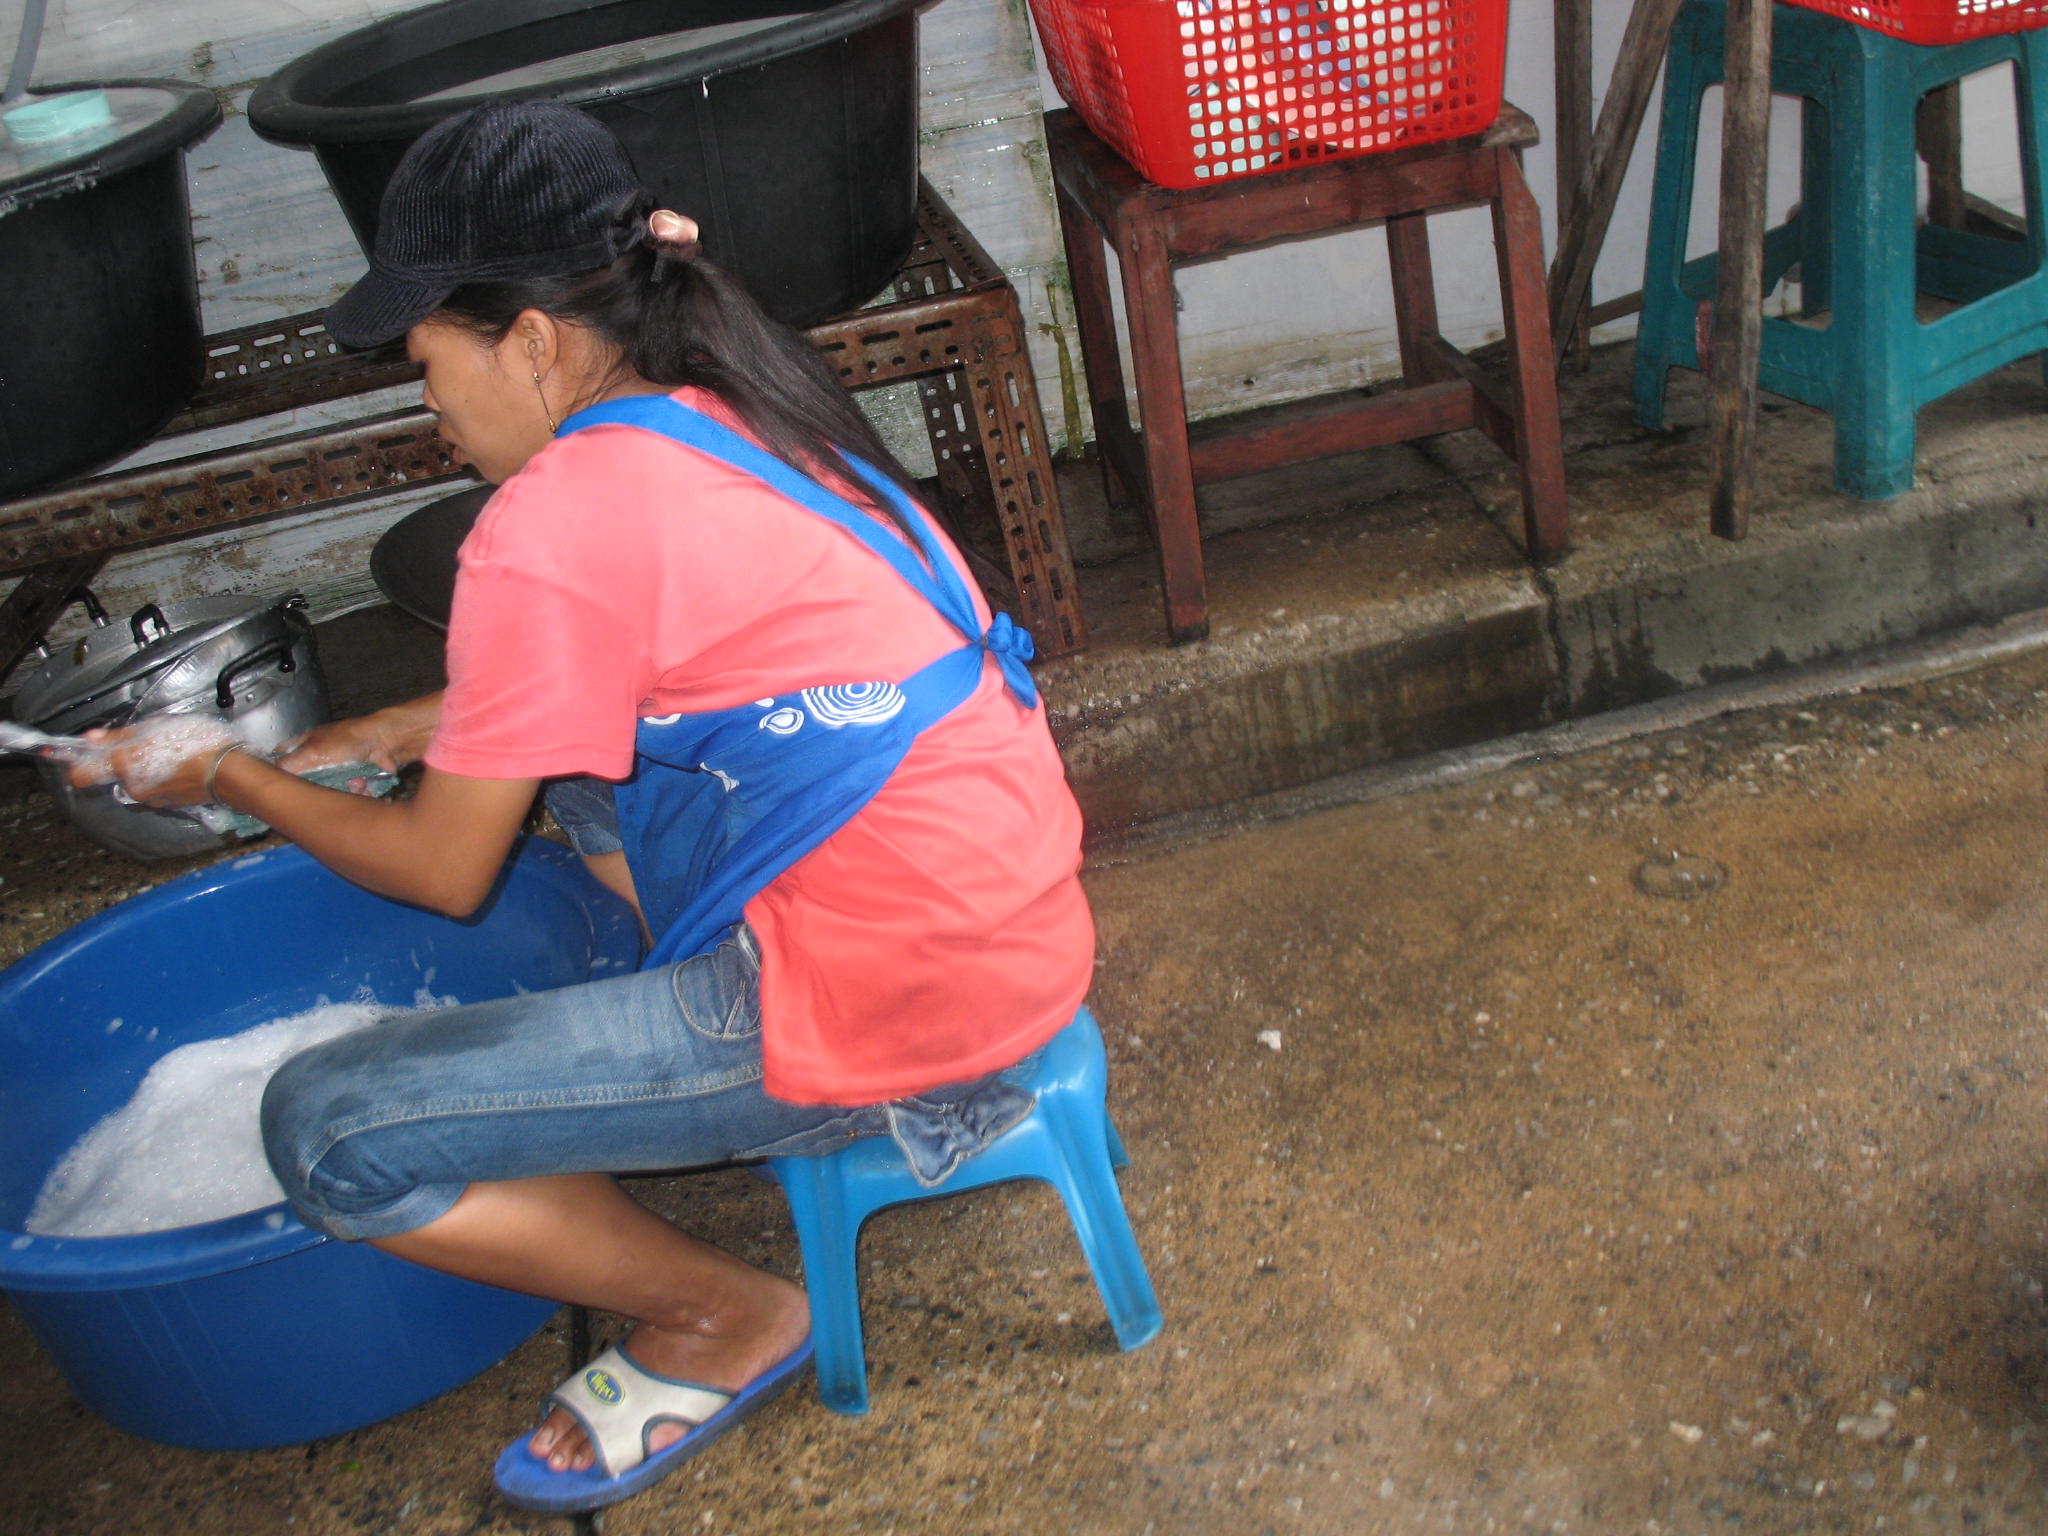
point(99, 299)
point(788, 129)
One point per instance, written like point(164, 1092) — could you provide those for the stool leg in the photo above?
point(1664, 332)
point(1539, 448)
point(1163, 413)
point(1938, 131)
point(1095, 1205)
point(1814, 181)
point(2032, 83)
point(829, 1234)
point(1874, 329)
point(1414, 282)
point(1096, 321)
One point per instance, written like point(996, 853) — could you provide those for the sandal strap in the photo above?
point(617, 1401)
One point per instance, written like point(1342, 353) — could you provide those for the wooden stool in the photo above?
point(1103, 201)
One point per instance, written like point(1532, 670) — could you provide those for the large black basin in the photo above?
point(787, 128)
point(99, 301)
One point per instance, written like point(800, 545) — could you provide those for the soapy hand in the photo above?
point(161, 760)
point(390, 738)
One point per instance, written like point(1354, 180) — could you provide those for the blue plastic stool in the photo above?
point(1855, 237)
point(1067, 1141)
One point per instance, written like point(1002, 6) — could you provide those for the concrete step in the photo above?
point(1377, 606)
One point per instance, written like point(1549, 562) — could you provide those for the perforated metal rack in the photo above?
point(954, 328)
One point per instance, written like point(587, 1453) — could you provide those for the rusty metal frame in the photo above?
point(258, 370)
point(954, 328)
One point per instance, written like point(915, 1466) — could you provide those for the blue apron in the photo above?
point(722, 801)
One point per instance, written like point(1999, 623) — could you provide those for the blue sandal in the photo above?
point(619, 1402)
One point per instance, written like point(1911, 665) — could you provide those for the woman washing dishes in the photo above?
point(838, 807)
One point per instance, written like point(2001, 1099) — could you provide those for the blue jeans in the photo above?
point(377, 1132)
point(586, 810)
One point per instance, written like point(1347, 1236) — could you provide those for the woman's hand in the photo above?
point(391, 738)
point(442, 848)
point(162, 760)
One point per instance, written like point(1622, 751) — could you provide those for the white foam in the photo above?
point(160, 745)
point(157, 746)
point(187, 1148)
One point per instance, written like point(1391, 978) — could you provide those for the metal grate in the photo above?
point(955, 328)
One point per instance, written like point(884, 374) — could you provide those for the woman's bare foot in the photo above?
point(725, 1351)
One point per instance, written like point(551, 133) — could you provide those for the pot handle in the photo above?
point(279, 651)
point(145, 616)
point(94, 610)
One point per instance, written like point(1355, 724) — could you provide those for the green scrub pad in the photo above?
point(377, 782)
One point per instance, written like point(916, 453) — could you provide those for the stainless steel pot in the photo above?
point(251, 665)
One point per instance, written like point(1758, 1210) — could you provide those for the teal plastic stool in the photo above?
point(1855, 237)
point(1067, 1140)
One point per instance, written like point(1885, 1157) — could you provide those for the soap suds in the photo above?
point(158, 746)
point(187, 1147)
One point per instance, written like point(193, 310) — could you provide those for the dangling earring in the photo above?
point(537, 389)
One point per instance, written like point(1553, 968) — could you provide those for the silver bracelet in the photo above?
point(213, 769)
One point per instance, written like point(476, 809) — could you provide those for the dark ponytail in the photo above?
point(677, 319)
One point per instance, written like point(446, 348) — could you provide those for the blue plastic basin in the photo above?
point(255, 1330)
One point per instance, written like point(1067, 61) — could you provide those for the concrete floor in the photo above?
point(1647, 1139)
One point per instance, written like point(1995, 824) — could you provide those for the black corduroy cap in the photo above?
point(509, 189)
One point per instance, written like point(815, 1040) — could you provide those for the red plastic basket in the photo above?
point(1197, 91)
point(1935, 22)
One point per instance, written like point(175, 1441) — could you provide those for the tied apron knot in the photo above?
point(1011, 645)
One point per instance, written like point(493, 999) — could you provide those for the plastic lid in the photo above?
point(94, 131)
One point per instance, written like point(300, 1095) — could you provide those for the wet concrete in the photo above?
point(1642, 1138)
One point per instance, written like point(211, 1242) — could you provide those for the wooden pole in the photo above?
point(1571, 68)
point(1614, 140)
point(1738, 297)
point(1940, 135)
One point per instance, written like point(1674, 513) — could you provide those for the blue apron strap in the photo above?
point(777, 829)
point(933, 578)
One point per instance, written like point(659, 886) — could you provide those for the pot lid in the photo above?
point(108, 659)
point(68, 138)
point(414, 562)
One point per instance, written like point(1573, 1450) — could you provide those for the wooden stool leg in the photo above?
point(1939, 130)
point(1162, 409)
point(1738, 302)
point(1539, 449)
point(1816, 176)
point(1414, 282)
point(1096, 322)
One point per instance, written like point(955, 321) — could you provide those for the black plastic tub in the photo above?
point(99, 297)
point(787, 129)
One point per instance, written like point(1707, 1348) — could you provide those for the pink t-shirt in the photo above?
point(942, 932)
